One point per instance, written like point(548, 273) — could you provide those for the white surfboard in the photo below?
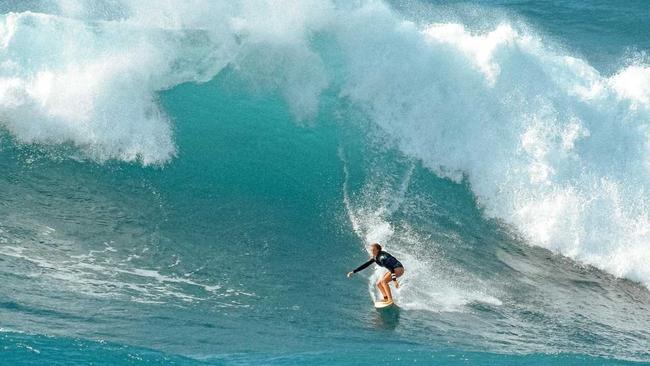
point(383, 304)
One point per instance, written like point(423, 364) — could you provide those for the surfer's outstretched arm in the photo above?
point(361, 267)
point(364, 266)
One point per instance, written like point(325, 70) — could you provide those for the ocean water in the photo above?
point(187, 182)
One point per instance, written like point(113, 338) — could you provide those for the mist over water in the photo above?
point(210, 170)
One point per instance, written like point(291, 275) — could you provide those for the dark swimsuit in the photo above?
point(383, 259)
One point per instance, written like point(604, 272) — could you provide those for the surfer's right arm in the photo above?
point(361, 267)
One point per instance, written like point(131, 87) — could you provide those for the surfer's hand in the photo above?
point(350, 274)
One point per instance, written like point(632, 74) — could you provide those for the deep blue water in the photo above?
point(188, 184)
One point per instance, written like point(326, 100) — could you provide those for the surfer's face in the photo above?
point(374, 250)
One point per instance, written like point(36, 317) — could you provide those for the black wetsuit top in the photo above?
point(383, 259)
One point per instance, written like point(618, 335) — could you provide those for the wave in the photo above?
point(547, 143)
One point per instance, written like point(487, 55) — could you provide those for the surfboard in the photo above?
point(384, 304)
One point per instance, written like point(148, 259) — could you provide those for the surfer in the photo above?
point(387, 261)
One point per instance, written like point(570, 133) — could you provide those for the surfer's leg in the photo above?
point(380, 285)
point(385, 280)
point(397, 272)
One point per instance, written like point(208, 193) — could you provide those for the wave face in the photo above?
point(547, 143)
point(153, 149)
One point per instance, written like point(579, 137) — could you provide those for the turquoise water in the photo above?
point(188, 183)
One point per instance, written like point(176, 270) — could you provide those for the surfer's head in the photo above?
point(375, 248)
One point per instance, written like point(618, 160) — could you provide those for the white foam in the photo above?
point(633, 83)
point(106, 274)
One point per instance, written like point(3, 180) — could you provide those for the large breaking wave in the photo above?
point(547, 143)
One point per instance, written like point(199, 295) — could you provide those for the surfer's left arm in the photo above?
point(361, 267)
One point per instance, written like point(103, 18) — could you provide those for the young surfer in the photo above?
point(387, 261)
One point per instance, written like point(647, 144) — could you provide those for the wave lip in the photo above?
point(85, 92)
